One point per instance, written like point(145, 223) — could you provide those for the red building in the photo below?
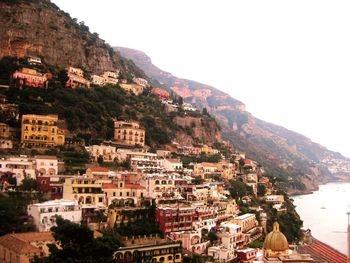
point(50, 186)
point(175, 218)
point(247, 254)
point(30, 77)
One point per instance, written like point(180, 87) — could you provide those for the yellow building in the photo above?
point(134, 88)
point(129, 133)
point(87, 191)
point(41, 130)
point(150, 250)
point(22, 247)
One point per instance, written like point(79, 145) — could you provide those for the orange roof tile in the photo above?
point(20, 243)
point(323, 252)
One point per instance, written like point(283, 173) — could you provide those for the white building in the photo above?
point(221, 254)
point(44, 214)
point(22, 167)
point(142, 82)
point(97, 80)
point(188, 107)
point(110, 77)
point(172, 165)
point(46, 164)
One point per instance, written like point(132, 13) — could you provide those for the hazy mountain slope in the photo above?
point(282, 150)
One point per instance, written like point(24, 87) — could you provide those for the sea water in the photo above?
point(325, 213)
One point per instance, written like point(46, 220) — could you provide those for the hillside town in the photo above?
point(178, 202)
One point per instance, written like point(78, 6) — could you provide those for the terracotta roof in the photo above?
point(99, 169)
point(20, 243)
point(108, 186)
point(322, 252)
point(247, 161)
point(134, 186)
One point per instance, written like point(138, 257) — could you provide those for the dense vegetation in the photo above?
point(77, 244)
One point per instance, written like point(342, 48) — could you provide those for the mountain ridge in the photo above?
point(283, 149)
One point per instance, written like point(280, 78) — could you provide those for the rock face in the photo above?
point(200, 130)
point(280, 150)
point(39, 28)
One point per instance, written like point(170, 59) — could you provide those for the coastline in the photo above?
point(312, 225)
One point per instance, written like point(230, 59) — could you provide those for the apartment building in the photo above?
point(41, 131)
point(129, 133)
point(45, 214)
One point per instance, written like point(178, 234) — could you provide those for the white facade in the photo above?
point(46, 165)
point(221, 254)
point(97, 80)
point(142, 82)
point(44, 214)
point(172, 165)
point(110, 77)
point(22, 167)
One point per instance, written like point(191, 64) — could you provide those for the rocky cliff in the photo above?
point(39, 28)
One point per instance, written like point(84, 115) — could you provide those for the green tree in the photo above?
point(28, 184)
point(78, 245)
point(239, 189)
point(100, 159)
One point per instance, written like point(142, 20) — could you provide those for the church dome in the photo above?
point(275, 240)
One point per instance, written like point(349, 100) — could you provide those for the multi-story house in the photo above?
point(110, 77)
point(124, 193)
point(30, 77)
point(34, 60)
point(41, 131)
point(221, 254)
point(97, 80)
point(22, 167)
point(246, 221)
point(44, 214)
point(175, 217)
point(203, 169)
point(76, 78)
point(191, 241)
point(140, 81)
point(160, 187)
point(172, 165)
point(46, 165)
point(231, 236)
point(145, 162)
point(149, 250)
point(23, 247)
point(108, 153)
point(87, 191)
point(129, 133)
point(134, 88)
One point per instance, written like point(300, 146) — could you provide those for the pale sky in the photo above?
point(288, 61)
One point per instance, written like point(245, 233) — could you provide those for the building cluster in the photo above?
point(179, 188)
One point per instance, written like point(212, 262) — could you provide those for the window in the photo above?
point(127, 193)
point(100, 199)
